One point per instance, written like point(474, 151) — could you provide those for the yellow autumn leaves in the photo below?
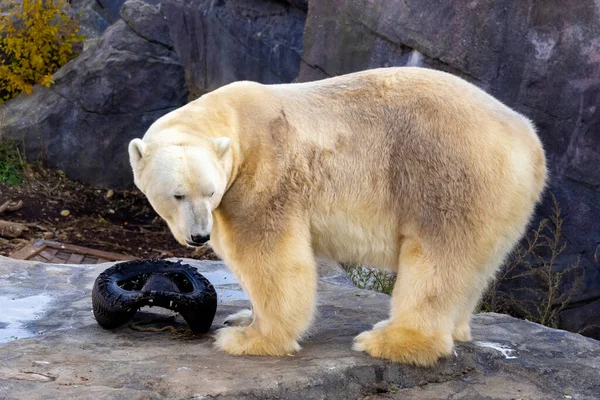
point(36, 39)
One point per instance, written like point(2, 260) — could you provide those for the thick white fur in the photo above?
point(407, 169)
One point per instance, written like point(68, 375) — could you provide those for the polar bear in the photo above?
point(407, 169)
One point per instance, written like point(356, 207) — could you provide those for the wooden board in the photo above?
point(57, 253)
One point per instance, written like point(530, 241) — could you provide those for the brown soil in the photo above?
point(120, 221)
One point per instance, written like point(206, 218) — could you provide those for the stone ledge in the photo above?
point(73, 358)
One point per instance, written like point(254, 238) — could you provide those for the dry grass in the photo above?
point(529, 283)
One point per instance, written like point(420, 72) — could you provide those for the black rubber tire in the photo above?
point(114, 305)
point(108, 311)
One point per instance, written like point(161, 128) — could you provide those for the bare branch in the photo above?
point(11, 206)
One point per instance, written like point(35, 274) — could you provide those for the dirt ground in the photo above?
point(116, 221)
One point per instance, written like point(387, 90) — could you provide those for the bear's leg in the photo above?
point(462, 319)
point(282, 287)
point(462, 328)
point(425, 301)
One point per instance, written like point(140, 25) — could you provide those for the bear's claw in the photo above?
point(241, 318)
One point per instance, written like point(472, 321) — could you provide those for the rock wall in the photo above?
point(220, 42)
point(541, 58)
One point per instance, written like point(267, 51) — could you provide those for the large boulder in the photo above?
point(101, 100)
point(136, 72)
point(541, 58)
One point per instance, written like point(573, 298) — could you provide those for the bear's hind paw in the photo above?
point(403, 345)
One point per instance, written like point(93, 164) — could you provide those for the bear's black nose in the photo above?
point(198, 240)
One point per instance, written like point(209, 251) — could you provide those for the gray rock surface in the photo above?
point(101, 100)
point(224, 41)
point(93, 19)
point(68, 356)
point(148, 21)
point(112, 8)
point(540, 58)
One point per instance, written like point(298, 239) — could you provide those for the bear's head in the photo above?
point(184, 183)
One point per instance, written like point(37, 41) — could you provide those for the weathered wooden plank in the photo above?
point(97, 253)
point(48, 253)
point(62, 255)
point(40, 257)
point(27, 252)
point(89, 260)
point(75, 258)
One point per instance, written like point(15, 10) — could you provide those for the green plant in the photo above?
point(371, 278)
point(536, 261)
point(36, 39)
point(11, 163)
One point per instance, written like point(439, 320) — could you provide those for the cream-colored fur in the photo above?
point(408, 169)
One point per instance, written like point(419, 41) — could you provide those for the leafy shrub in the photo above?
point(11, 163)
point(36, 39)
point(371, 278)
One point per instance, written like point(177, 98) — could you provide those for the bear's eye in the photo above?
point(179, 197)
point(211, 194)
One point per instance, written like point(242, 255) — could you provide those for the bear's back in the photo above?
point(425, 145)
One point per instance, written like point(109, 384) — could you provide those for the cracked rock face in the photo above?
point(101, 100)
point(538, 57)
point(220, 42)
point(62, 353)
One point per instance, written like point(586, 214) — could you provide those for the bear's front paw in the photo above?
point(241, 318)
point(403, 345)
point(248, 340)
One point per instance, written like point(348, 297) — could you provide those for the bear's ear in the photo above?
point(137, 151)
point(221, 145)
